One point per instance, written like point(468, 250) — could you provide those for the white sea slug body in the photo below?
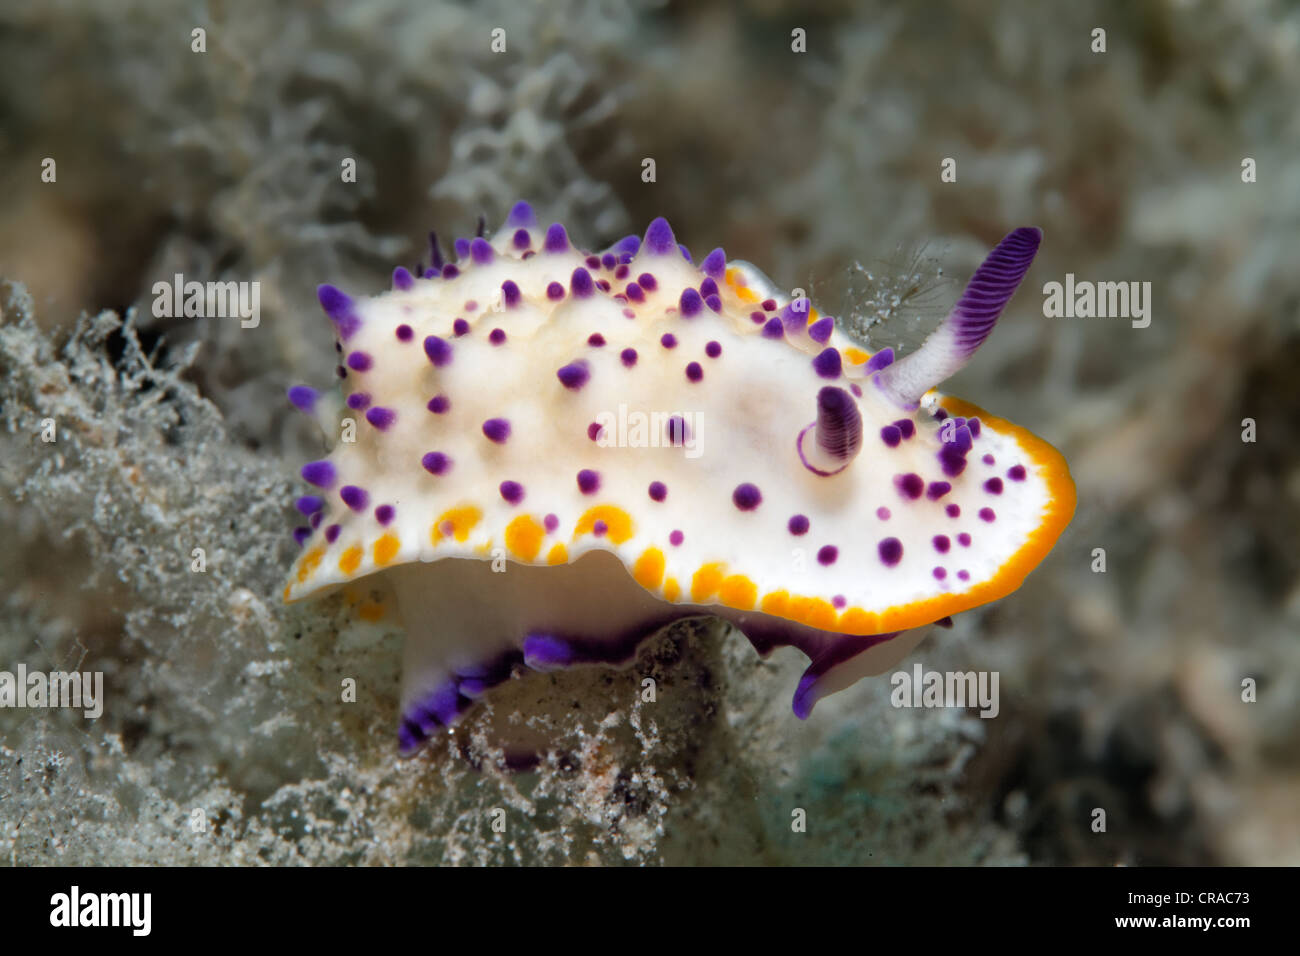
point(642, 439)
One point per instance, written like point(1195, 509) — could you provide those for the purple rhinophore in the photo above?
point(882, 359)
point(991, 287)
point(937, 489)
point(319, 473)
point(510, 294)
point(690, 303)
point(512, 492)
point(382, 418)
point(438, 349)
point(628, 357)
point(658, 491)
point(839, 424)
point(581, 283)
point(497, 430)
point(715, 264)
point(574, 375)
point(303, 398)
point(557, 240)
point(436, 463)
point(402, 278)
point(694, 371)
point(891, 551)
point(747, 497)
point(355, 497)
point(820, 331)
point(827, 363)
point(309, 504)
point(588, 481)
point(910, 485)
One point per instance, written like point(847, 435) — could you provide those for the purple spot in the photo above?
point(941, 543)
point(319, 473)
point(332, 533)
point(629, 357)
point(882, 513)
point(309, 504)
point(993, 486)
point(595, 340)
point(439, 404)
point(952, 461)
point(588, 481)
point(910, 485)
point(574, 375)
point(633, 292)
point(707, 288)
point(581, 283)
point(609, 260)
point(435, 463)
point(954, 511)
point(497, 430)
point(939, 574)
point(827, 363)
point(828, 554)
point(839, 601)
point(354, 497)
point(647, 281)
point(769, 305)
point(758, 318)
point(599, 527)
point(676, 538)
point(405, 333)
point(382, 418)
point(713, 349)
point(384, 514)
point(989, 460)
point(554, 291)
point(315, 519)
point(937, 490)
point(964, 575)
point(798, 524)
point(497, 336)
point(963, 539)
point(694, 371)
point(974, 426)
point(512, 492)
point(891, 551)
point(557, 240)
point(715, 263)
point(890, 436)
point(1016, 472)
point(714, 302)
point(303, 397)
point(438, 350)
point(360, 362)
point(510, 293)
point(986, 514)
point(449, 271)
point(550, 523)
point(460, 327)
point(905, 427)
point(658, 491)
point(690, 303)
point(668, 340)
point(461, 248)
point(593, 262)
point(747, 497)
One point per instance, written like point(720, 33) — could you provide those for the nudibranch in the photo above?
point(555, 454)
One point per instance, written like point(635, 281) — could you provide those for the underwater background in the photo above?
point(223, 738)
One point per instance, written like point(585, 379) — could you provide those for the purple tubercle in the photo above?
point(633, 292)
point(937, 489)
point(481, 251)
point(676, 538)
point(402, 279)
point(690, 303)
point(596, 340)
point(438, 349)
point(555, 292)
point(827, 554)
point(658, 491)
point(588, 481)
point(382, 418)
point(557, 240)
point(952, 511)
point(319, 473)
point(659, 240)
point(668, 340)
point(574, 375)
point(1016, 473)
point(360, 361)
point(891, 551)
point(581, 283)
point(952, 461)
point(550, 523)
point(769, 305)
point(715, 264)
point(522, 239)
point(694, 371)
point(905, 428)
point(794, 316)
point(747, 497)
point(510, 293)
point(404, 333)
point(910, 485)
point(497, 430)
point(521, 214)
point(627, 246)
point(460, 328)
point(707, 288)
point(987, 514)
point(512, 492)
point(714, 302)
point(355, 497)
point(461, 248)
point(993, 486)
point(941, 543)
point(798, 524)
point(820, 331)
point(303, 398)
point(647, 281)
point(713, 349)
point(497, 336)
point(773, 329)
point(340, 308)
point(309, 504)
point(436, 463)
point(332, 533)
point(827, 364)
point(439, 404)
point(628, 357)
point(384, 514)
point(450, 271)
point(891, 436)
point(882, 359)
point(594, 431)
